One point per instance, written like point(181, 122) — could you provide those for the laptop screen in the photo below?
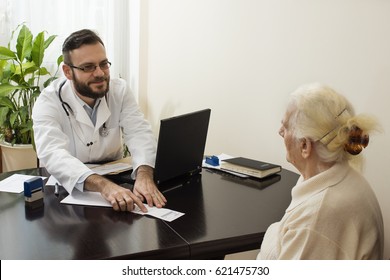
point(180, 146)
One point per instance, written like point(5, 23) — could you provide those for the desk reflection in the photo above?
point(251, 182)
point(90, 232)
point(60, 231)
point(188, 198)
point(225, 214)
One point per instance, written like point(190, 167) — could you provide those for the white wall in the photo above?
point(242, 58)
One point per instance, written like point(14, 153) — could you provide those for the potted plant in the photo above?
point(22, 77)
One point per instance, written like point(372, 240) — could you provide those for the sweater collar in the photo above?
point(304, 190)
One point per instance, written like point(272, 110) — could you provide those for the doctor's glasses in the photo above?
point(89, 68)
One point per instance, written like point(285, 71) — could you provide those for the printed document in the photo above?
point(95, 199)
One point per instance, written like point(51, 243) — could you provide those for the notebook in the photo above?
point(250, 167)
point(180, 146)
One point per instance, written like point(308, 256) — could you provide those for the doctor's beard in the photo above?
point(85, 89)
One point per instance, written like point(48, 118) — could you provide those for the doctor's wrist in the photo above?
point(144, 170)
point(96, 183)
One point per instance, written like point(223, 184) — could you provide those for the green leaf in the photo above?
point(38, 49)
point(23, 45)
point(48, 81)
point(49, 41)
point(24, 114)
point(5, 89)
point(43, 71)
point(6, 54)
point(13, 118)
point(5, 102)
point(30, 70)
point(2, 66)
point(28, 67)
point(26, 129)
point(3, 114)
point(17, 78)
point(35, 95)
point(60, 59)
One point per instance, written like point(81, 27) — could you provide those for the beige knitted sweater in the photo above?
point(334, 215)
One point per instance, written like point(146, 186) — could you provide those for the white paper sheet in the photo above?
point(15, 183)
point(160, 213)
point(86, 198)
point(52, 181)
point(95, 199)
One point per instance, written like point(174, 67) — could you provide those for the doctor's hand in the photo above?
point(121, 199)
point(145, 188)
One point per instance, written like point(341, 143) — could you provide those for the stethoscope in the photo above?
point(103, 131)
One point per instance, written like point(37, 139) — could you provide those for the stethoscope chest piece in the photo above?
point(103, 131)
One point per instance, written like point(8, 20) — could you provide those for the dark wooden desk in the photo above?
point(59, 231)
point(223, 214)
point(226, 214)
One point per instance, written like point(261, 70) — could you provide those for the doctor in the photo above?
point(83, 119)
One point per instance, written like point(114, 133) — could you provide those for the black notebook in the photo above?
point(250, 167)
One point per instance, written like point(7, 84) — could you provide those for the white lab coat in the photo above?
point(64, 143)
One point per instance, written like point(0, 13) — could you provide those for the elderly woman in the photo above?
point(334, 213)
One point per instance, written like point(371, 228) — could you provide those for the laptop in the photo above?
point(180, 146)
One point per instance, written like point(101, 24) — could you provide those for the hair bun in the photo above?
point(357, 141)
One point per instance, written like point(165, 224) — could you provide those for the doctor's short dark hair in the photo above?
point(76, 40)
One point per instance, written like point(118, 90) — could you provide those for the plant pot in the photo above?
point(17, 157)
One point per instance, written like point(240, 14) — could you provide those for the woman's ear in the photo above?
point(306, 147)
